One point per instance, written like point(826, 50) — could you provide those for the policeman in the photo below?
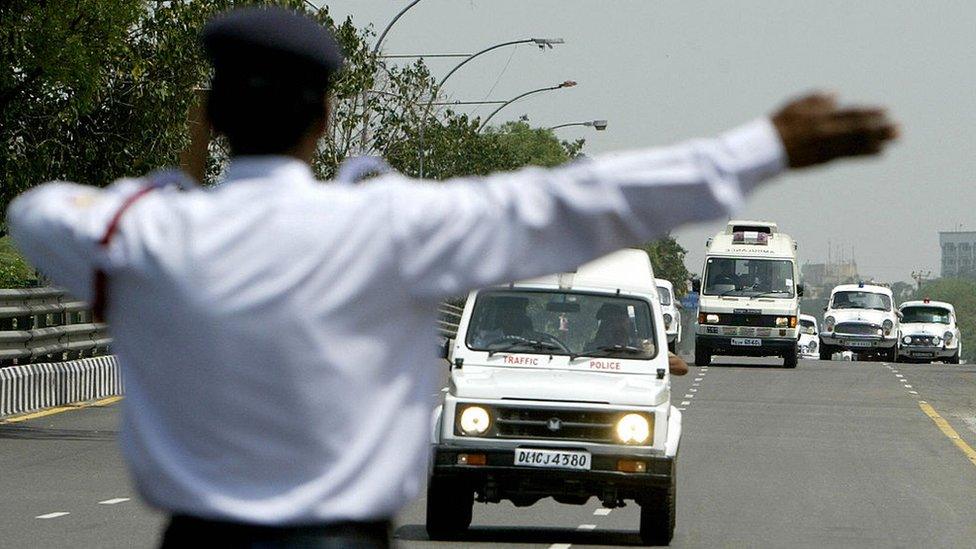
point(275, 333)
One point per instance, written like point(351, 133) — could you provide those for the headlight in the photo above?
point(947, 337)
point(887, 325)
point(475, 420)
point(936, 340)
point(633, 429)
point(907, 340)
point(782, 322)
point(667, 320)
point(829, 324)
point(711, 319)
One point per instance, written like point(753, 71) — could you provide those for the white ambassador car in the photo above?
point(929, 332)
point(559, 387)
point(860, 318)
point(807, 344)
point(672, 316)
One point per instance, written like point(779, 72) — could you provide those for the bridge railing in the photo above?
point(47, 325)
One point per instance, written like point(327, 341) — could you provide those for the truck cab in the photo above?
point(860, 318)
point(559, 387)
point(749, 300)
point(671, 311)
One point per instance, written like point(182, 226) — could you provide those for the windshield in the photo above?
point(562, 323)
point(860, 300)
point(665, 295)
point(749, 277)
point(808, 326)
point(935, 315)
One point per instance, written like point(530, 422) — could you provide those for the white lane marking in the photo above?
point(907, 386)
point(899, 375)
point(113, 501)
point(913, 392)
point(689, 395)
point(560, 546)
point(698, 379)
point(681, 409)
point(586, 527)
point(53, 515)
point(696, 384)
point(602, 512)
point(692, 390)
point(685, 402)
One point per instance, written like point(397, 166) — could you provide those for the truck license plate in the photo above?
point(746, 342)
point(859, 343)
point(555, 459)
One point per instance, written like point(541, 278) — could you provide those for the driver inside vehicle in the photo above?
point(615, 328)
point(510, 319)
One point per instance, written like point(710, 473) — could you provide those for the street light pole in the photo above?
point(566, 84)
point(599, 125)
point(543, 43)
point(379, 41)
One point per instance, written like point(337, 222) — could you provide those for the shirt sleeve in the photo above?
point(468, 233)
point(58, 225)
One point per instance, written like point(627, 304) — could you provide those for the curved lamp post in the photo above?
point(598, 125)
point(543, 43)
point(566, 84)
point(379, 41)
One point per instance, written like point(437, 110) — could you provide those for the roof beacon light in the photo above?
point(926, 300)
point(750, 237)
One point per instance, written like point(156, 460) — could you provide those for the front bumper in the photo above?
point(723, 345)
point(857, 343)
point(501, 479)
point(923, 352)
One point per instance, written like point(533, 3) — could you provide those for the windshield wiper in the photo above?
point(767, 294)
point(531, 343)
point(606, 349)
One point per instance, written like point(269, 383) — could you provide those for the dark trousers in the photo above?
point(184, 531)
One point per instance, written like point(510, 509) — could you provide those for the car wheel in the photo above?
point(954, 359)
point(703, 357)
point(448, 509)
point(790, 360)
point(657, 515)
point(826, 352)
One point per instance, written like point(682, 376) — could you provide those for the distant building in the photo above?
point(820, 278)
point(958, 253)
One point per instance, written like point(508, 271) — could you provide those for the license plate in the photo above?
point(858, 343)
point(923, 355)
point(553, 459)
point(746, 342)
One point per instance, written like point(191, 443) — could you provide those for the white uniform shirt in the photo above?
point(278, 336)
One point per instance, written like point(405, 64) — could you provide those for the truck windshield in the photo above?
point(933, 315)
point(562, 323)
point(860, 300)
point(740, 277)
point(665, 295)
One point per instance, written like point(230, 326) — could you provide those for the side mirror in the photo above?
point(799, 290)
point(696, 285)
point(446, 349)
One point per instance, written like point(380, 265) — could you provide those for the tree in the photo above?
point(668, 259)
point(961, 292)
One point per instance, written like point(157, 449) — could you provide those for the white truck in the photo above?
point(749, 294)
point(928, 332)
point(559, 387)
point(671, 312)
point(860, 318)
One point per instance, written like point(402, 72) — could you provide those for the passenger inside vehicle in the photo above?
point(615, 328)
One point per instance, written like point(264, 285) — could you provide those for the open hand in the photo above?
point(815, 130)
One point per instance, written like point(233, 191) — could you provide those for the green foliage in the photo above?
point(668, 259)
point(14, 271)
point(961, 293)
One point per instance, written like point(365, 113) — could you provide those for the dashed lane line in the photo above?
point(113, 501)
point(586, 527)
point(560, 546)
point(53, 515)
point(948, 431)
point(602, 512)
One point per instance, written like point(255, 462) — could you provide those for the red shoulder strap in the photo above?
point(100, 282)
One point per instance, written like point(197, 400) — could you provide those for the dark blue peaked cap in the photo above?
point(241, 38)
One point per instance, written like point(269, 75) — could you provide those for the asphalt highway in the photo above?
point(831, 454)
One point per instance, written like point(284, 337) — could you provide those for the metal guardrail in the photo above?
point(449, 316)
point(47, 325)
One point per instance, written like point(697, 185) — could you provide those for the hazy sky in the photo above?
point(664, 71)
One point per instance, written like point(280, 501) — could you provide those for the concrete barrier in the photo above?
point(35, 386)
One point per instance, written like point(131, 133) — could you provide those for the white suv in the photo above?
point(860, 318)
point(671, 312)
point(929, 332)
point(559, 387)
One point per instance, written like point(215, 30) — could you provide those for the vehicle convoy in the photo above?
point(860, 318)
point(671, 313)
point(928, 332)
point(749, 295)
point(806, 345)
point(559, 387)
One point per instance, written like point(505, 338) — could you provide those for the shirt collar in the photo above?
point(285, 169)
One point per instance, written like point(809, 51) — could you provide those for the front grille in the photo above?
point(738, 319)
point(555, 424)
point(922, 341)
point(857, 328)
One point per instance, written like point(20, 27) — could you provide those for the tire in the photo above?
point(673, 346)
point(449, 508)
point(826, 352)
point(702, 356)
point(954, 359)
point(890, 355)
point(657, 515)
point(790, 360)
